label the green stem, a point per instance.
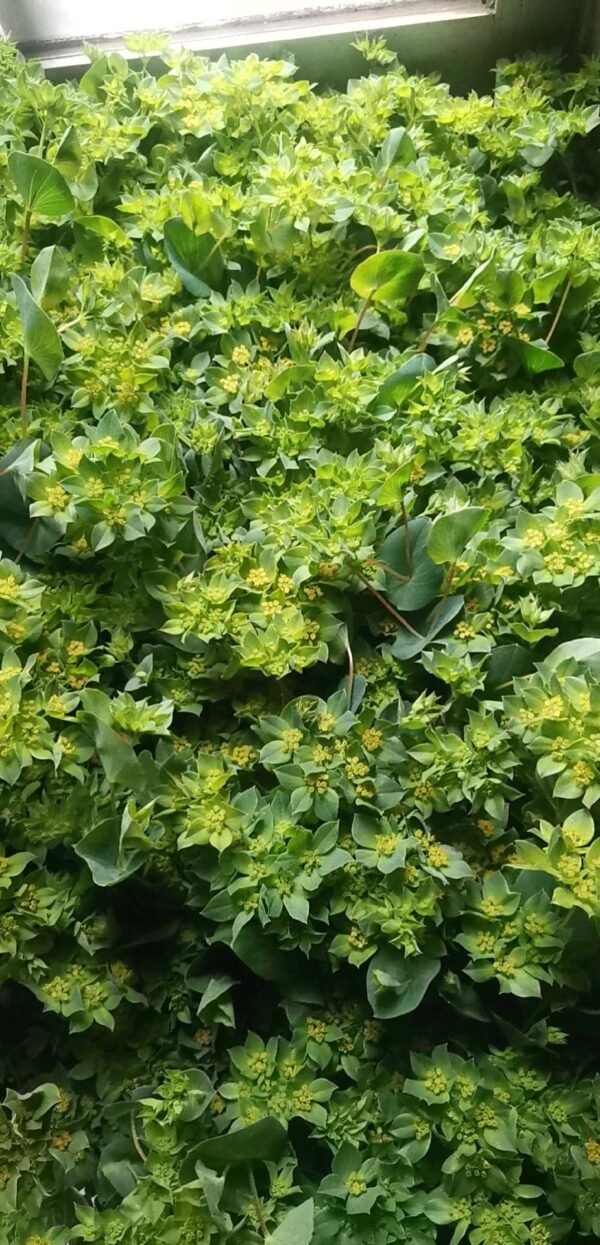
(28, 539)
(407, 548)
(257, 1202)
(361, 315)
(559, 310)
(386, 605)
(26, 232)
(350, 667)
(23, 405)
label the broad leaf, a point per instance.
(398, 147)
(42, 188)
(196, 258)
(586, 651)
(403, 382)
(539, 357)
(587, 365)
(49, 276)
(105, 228)
(40, 337)
(396, 984)
(424, 577)
(451, 533)
(407, 645)
(387, 276)
(297, 1228)
(264, 1141)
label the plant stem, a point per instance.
(135, 1138)
(361, 315)
(389, 570)
(23, 405)
(257, 1203)
(25, 238)
(407, 548)
(350, 668)
(26, 543)
(559, 310)
(386, 605)
(445, 594)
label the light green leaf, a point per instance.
(107, 229)
(49, 276)
(587, 365)
(539, 357)
(388, 276)
(42, 188)
(401, 383)
(297, 1228)
(41, 339)
(452, 532)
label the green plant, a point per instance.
(300, 655)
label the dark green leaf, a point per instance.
(264, 1141)
(396, 984)
(196, 258)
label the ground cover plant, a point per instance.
(300, 678)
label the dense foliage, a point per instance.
(300, 681)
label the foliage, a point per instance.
(300, 655)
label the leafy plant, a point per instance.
(299, 655)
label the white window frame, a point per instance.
(460, 39)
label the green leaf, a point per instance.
(586, 651)
(451, 533)
(105, 228)
(264, 1141)
(49, 276)
(297, 1228)
(407, 645)
(539, 357)
(387, 276)
(69, 156)
(398, 146)
(424, 577)
(587, 365)
(505, 663)
(396, 984)
(40, 337)
(42, 188)
(196, 258)
(464, 297)
(403, 382)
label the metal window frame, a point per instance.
(459, 39)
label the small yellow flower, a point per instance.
(257, 578)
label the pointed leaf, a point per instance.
(196, 258)
(539, 357)
(452, 532)
(41, 339)
(387, 276)
(297, 1228)
(396, 984)
(42, 188)
(263, 1141)
(49, 276)
(424, 577)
